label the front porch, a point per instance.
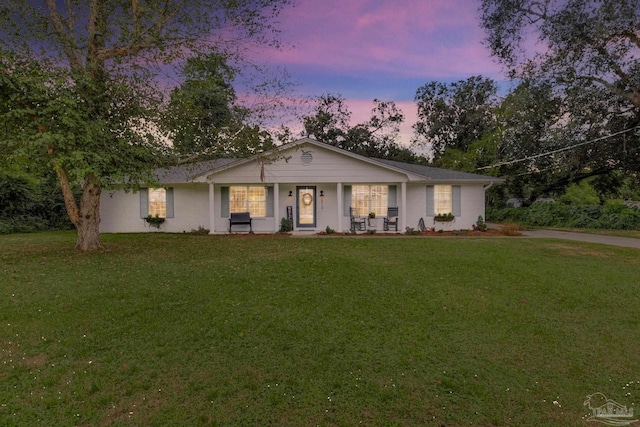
(311, 208)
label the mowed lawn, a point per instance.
(159, 329)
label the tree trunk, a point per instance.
(87, 218)
(88, 224)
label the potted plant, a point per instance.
(154, 221)
(371, 220)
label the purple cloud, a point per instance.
(414, 38)
(385, 49)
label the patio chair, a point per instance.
(357, 222)
(392, 219)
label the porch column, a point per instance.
(403, 214)
(276, 207)
(212, 209)
(340, 207)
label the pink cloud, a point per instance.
(413, 38)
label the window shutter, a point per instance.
(456, 196)
(269, 195)
(169, 202)
(144, 202)
(430, 201)
(346, 192)
(393, 196)
(224, 202)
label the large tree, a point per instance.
(454, 116)
(376, 137)
(205, 120)
(589, 52)
(81, 83)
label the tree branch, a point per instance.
(137, 28)
(66, 40)
(634, 96)
(632, 36)
(139, 42)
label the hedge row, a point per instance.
(613, 215)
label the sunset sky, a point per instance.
(385, 49)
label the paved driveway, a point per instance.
(584, 237)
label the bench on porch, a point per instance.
(240, 218)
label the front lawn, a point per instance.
(161, 329)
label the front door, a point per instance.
(306, 207)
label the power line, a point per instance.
(558, 150)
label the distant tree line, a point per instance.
(29, 204)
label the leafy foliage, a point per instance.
(580, 194)
(613, 215)
(80, 84)
(30, 204)
(589, 52)
(286, 225)
(454, 116)
(203, 118)
(376, 137)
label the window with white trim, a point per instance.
(158, 202)
(248, 199)
(370, 198)
(443, 199)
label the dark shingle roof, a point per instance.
(437, 174)
(186, 173)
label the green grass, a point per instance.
(634, 234)
(160, 329)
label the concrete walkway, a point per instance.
(627, 242)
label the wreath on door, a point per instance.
(307, 199)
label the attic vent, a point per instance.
(306, 158)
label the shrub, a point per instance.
(409, 231)
(286, 225)
(614, 206)
(5, 227)
(29, 204)
(201, 231)
(480, 225)
(580, 194)
(614, 215)
(510, 229)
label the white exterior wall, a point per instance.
(120, 211)
(471, 206)
(191, 208)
